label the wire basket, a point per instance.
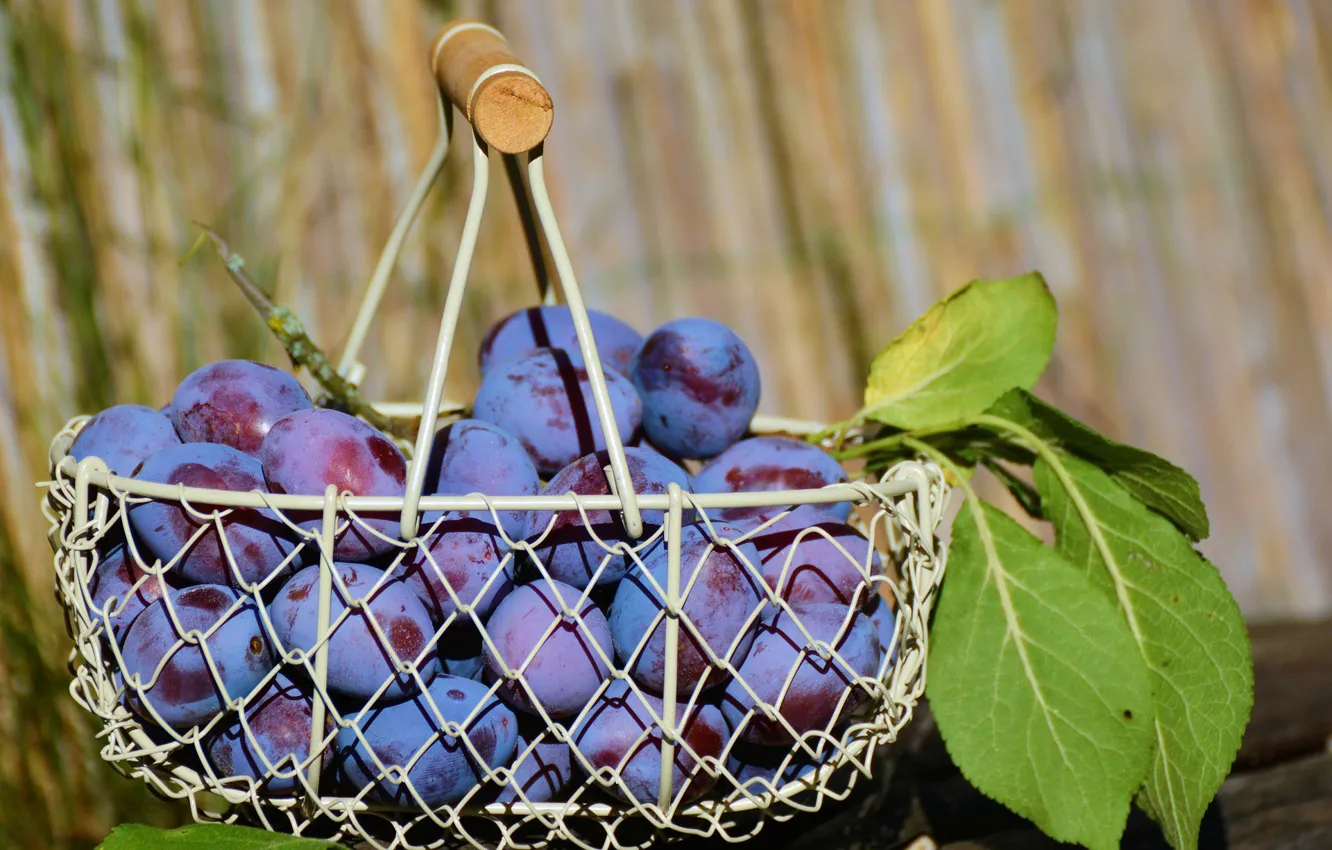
(634, 766)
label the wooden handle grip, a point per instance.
(503, 100)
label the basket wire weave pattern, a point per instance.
(88, 507)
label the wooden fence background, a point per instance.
(814, 173)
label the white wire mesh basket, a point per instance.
(596, 757)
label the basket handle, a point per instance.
(467, 60)
(503, 100)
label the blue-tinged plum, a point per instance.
(803, 561)
(235, 403)
(566, 667)
(183, 691)
(123, 436)
(880, 612)
(258, 540)
(721, 599)
(544, 399)
(274, 743)
(461, 553)
(763, 464)
(358, 663)
(759, 769)
(569, 550)
(308, 450)
(471, 456)
(700, 387)
(611, 735)
(446, 769)
(552, 327)
(817, 689)
(118, 576)
(540, 770)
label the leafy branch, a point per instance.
(1072, 680)
(290, 331)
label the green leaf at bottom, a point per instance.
(208, 836)
(1036, 684)
(1188, 628)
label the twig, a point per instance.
(342, 394)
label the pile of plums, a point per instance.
(501, 625)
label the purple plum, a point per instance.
(459, 556)
(612, 735)
(258, 540)
(541, 771)
(444, 768)
(552, 327)
(471, 456)
(235, 403)
(762, 464)
(118, 576)
(123, 436)
(803, 561)
(700, 387)
(819, 685)
(569, 550)
(306, 451)
(173, 674)
(273, 746)
(760, 769)
(721, 598)
(566, 667)
(358, 663)
(544, 399)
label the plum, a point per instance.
(118, 576)
(541, 771)
(802, 561)
(308, 450)
(358, 663)
(444, 767)
(566, 667)
(756, 769)
(818, 686)
(699, 385)
(568, 550)
(471, 456)
(880, 612)
(618, 732)
(552, 327)
(273, 746)
(258, 540)
(123, 436)
(721, 596)
(173, 674)
(458, 556)
(235, 403)
(544, 399)
(762, 464)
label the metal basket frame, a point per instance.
(85, 503)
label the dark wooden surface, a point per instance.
(1279, 794)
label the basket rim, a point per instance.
(94, 471)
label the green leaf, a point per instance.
(1036, 684)
(1185, 624)
(1156, 482)
(209, 836)
(1023, 493)
(966, 351)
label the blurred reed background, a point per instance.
(814, 173)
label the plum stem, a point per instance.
(341, 394)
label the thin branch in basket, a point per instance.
(342, 394)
